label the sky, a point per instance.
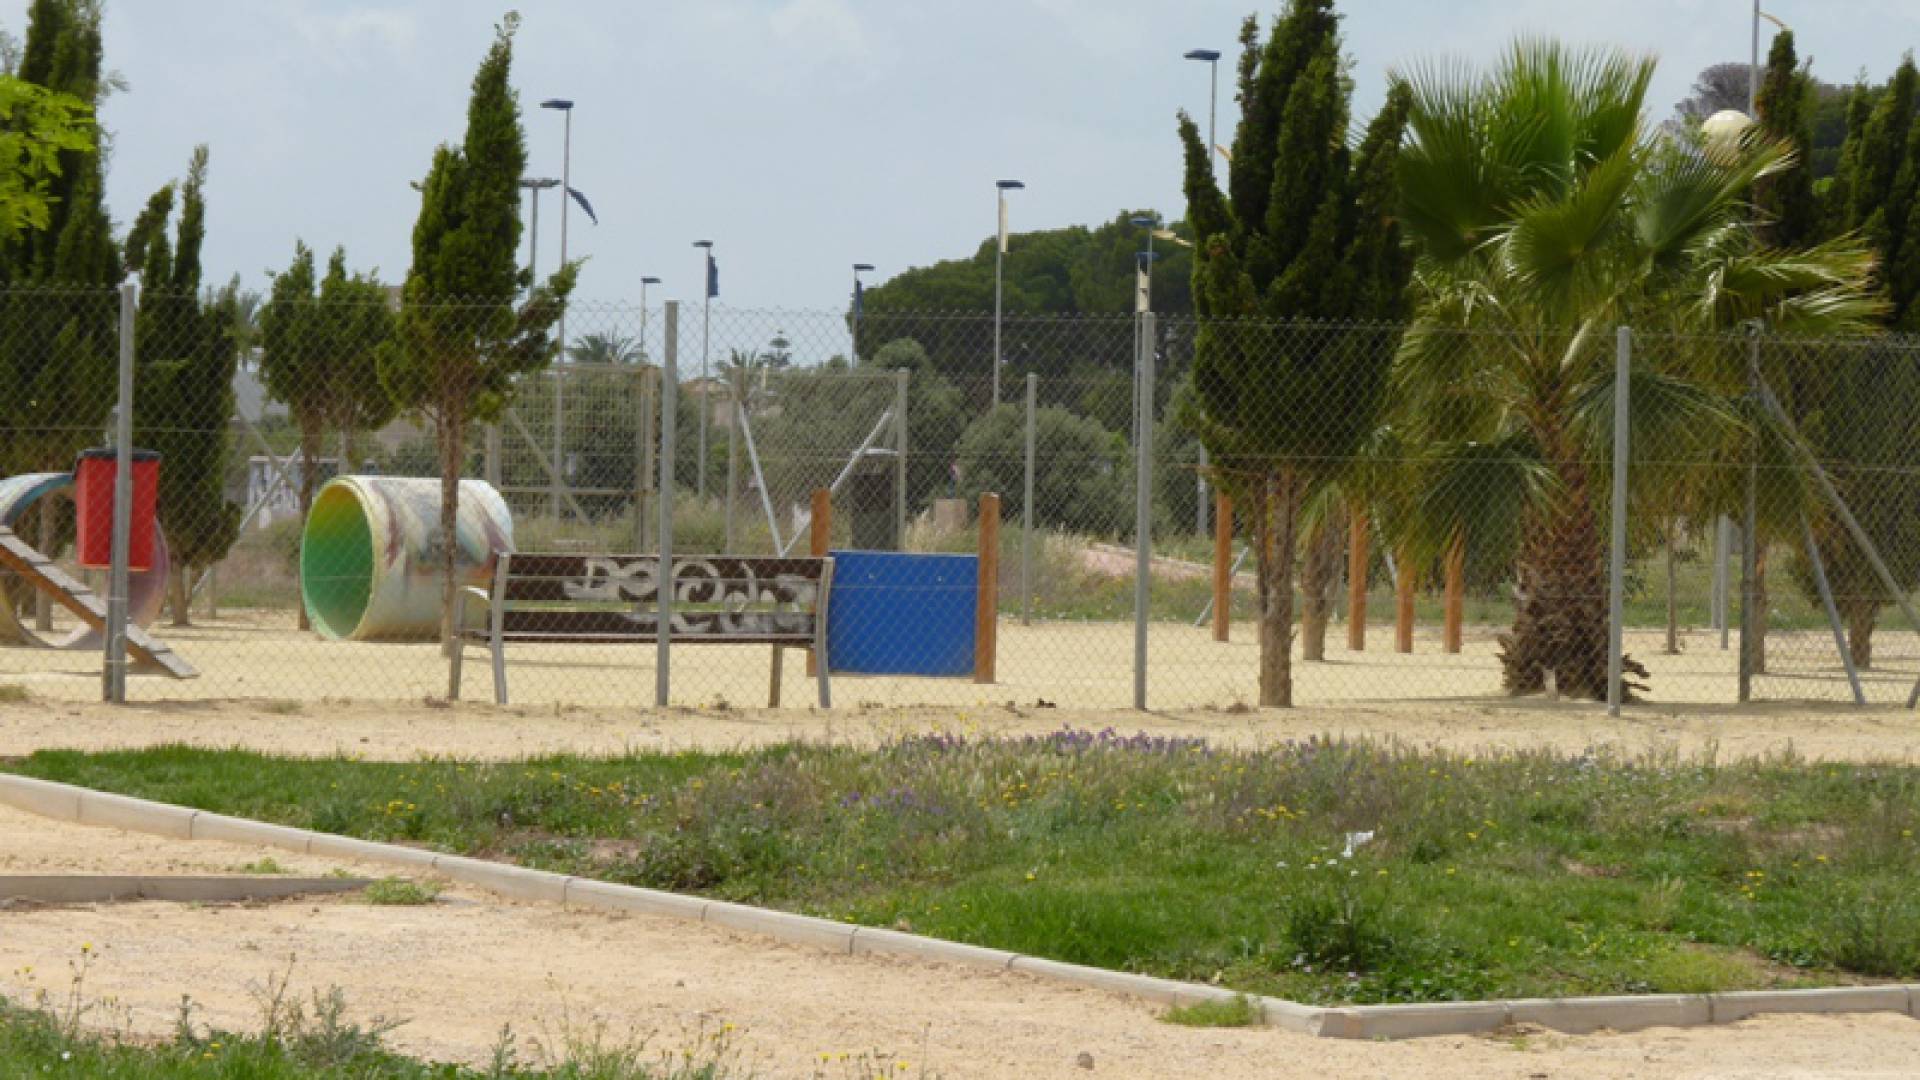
(801, 136)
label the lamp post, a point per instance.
(999, 260)
(706, 319)
(536, 185)
(1210, 57)
(565, 108)
(644, 282)
(859, 301)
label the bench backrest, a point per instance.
(715, 597)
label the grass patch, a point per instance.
(14, 694)
(1528, 874)
(1236, 1011)
(268, 865)
(400, 892)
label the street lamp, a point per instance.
(1210, 57)
(1151, 223)
(1753, 68)
(644, 282)
(535, 184)
(999, 260)
(859, 302)
(565, 108)
(706, 318)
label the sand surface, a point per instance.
(459, 969)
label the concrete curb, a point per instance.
(1572, 1015)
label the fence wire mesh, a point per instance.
(1418, 514)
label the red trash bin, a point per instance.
(93, 501)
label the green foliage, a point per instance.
(1307, 230)
(36, 125)
(400, 892)
(1786, 103)
(183, 379)
(1517, 875)
(1082, 474)
(320, 344)
(1236, 1011)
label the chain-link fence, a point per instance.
(1403, 514)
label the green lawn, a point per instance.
(1524, 875)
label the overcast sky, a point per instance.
(800, 135)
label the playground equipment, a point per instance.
(146, 589)
(371, 554)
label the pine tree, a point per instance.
(1306, 231)
(463, 335)
(183, 381)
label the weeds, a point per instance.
(400, 892)
(1321, 870)
(14, 694)
(1236, 1011)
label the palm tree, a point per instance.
(611, 348)
(1546, 210)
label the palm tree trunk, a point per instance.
(1561, 620)
(1860, 620)
(1357, 565)
(1404, 581)
(1276, 545)
(1319, 573)
(1453, 623)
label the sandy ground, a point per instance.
(403, 731)
(1080, 665)
(459, 969)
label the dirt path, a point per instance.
(460, 969)
(406, 731)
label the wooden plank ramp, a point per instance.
(72, 594)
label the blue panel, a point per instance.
(902, 614)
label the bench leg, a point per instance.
(773, 681)
(499, 651)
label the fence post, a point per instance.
(900, 378)
(1750, 538)
(1143, 511)
(1617, 562)
(1222, 566)
(663, 604)
(1200, 493)
(1403, 583)
(493, 456)
(737, 402)
(1722, 551)
(1026, 512)
(1358, 537)
(986, 611)
(559, 438)
(114, 670)
(819, 542)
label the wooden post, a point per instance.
(1456, 593)
(1357, 554)
(819, 542)
(1222, 566)
(1403, 606)
(986, 614)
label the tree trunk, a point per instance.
(1453, 634)
(1357, 565)
(1760, 611)
(1673, 601)
(1404, 582)
(179, 592)
(452, 432)
(1319, 574)
(1860, 620)
(1560, 623)
(309, 457)
(1276, 514)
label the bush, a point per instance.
(1082, 480)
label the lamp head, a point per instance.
(861, 268)
(538, 183)
(649, 281)
(703, 244)
(1146, 221)
(1204, 55)
(1009, 185)
(561, 104)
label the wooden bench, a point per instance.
(555, 598)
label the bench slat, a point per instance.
(541, 577)
(746, 625)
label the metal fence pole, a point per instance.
(1026, 511)
(663, 605)
(737, 407)
(493, 456)
(649, 483)
(1750, 539)
(900, 378)
(1200, 494)
(641, 457)
(1143, 509)
(114, 670)
(1617, 563)
(1722, 551)
(559, 440)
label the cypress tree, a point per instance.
(1786, 200)
(463, 335)
(183, 394)
(1305, 231)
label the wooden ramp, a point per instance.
(42, 574)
